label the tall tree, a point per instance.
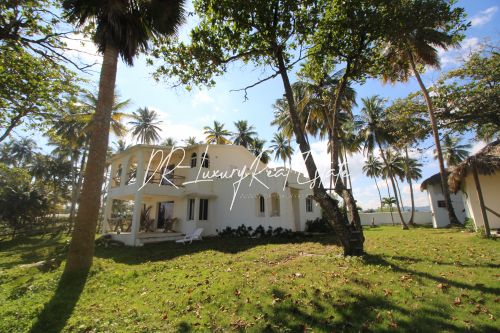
(428, 25)
(190, 141)
(145, 126)
(244, 133)
(376, 134)
(257, 148)
(169, 142)
(282, 148)
(412, 171)
(121, 28)
(217, 134)
(373, 169)
(453, 151)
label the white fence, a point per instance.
(385, 218)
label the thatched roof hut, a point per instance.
(486, 162)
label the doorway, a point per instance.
(165, 213)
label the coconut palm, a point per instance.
(453, 151)
(389, 201)
(120, 146)
(282, 148)
(412, 171)
(169, 142)
(416, 46)
(145, 125)
(22, 151)
(257, 148)
(392, 169)
(217, 134)
(120, 28)
(373, 169)
(190, 141)
(244, 133)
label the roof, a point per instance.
(434, 179)
(486, 161)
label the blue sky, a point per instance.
(185, 113)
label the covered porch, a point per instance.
(137, 219)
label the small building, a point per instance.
(440, 218)
(159, 193)
(478, 177)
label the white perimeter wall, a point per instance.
(385, 218)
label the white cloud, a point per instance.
(477, 146)
(483, 17)
(202, 97)
(456, 56)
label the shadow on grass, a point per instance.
(31, 249)
(57, 311)
(381, 261)
(170, 250)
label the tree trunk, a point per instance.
(389, 197)
(81, 250)
(79, 183)
(351, 244)
(444, 178)
(412, 196)
(391, 177)
(378, 190)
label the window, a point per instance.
(205, 160)
(203, 210)
(193, 160)
(275, 204)
(309, 204)
(191, 209)
(441, 204)
(261, 205)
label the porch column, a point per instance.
(107, 213)
(136, 217)
(140, 169)
(124, 174)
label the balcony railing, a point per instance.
(158, 178)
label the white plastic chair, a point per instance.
(196, 235)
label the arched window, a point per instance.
(275, 204)
(205, 160)
(261, 205)
(309, 204)
(193, 160)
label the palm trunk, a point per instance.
(389, 196)
(412, 197)
(378, 190)
(347, 169)
(78, 186)
(444, 178)
(81, 250)
(350, 244)
(399, 193)
(403, 224)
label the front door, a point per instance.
(165, 213)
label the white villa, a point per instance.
(437, 203)
(173, 191)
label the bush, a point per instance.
(243, 231)
(318, 225)
(469, 225)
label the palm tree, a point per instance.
(412, 171)
(22, 151)
(373, 169)
(169, 142)
(393, 169)
(120, 146)
(191, 141)
(121, 28)
(282, 148)
(257, 148)
(453, 151)
(145, 125)
(244, 133)
(389, 201)
(217, 135)
(414, 47)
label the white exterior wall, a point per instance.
(385, 218)
(440, 217)
(490, 186)
(219, 192)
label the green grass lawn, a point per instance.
(421, 280)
